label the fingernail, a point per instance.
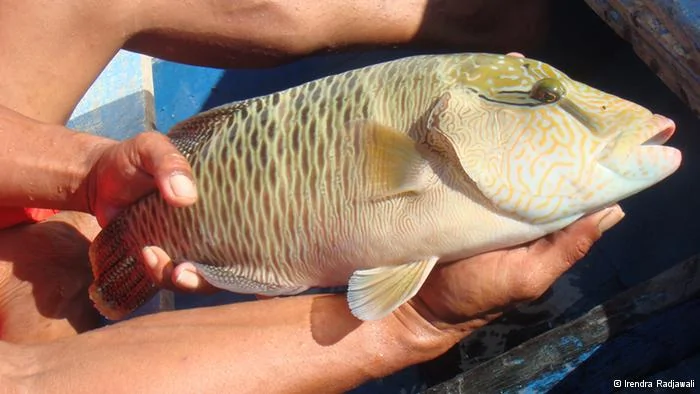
(149, 257)
(183, 186)
(186, 280)
(613, 217)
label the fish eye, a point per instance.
(548, 90)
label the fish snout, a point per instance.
(639, 152)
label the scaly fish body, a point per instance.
(375, 175)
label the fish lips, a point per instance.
(639, 154)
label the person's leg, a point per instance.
(44, 276)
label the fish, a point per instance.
(369, 178)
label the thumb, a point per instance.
(563, 248)
(169, 168)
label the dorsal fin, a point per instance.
(188, 135)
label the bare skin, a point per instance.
(42, 292)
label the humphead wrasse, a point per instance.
(372, 177)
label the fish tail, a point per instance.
(121, 282)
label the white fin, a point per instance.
(225, 279)
(376, 292)
(391, 161)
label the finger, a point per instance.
(166, 275)
(515, 54)
(548, 258)
(171, 171)
(186, 278)
(159, 266)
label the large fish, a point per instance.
(372, 177)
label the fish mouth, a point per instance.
(640, 153)
(661, 133)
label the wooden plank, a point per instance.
(612, 341)
(665, 34)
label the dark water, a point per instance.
(662, 226)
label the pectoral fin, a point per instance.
(389, 160)
(374, 293)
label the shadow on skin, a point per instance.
(44, 277)
(328, 329)
(491, 26)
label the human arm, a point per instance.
(59, 48)
(50, 166)
(302, 343)
(229, 34)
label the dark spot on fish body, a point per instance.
(321, 144)
(295, 138)
(339, 105)
(258, 181)
(211, 170)
(230, 121)
(305, 164)
(271, 131)
(248, 162)
(233, 190)
(237, 146)
(275, 99)
(218, 175)
(312, 127)
(253, 139)
(334, 89)
(358, 96)
(316, 93)
(262, 153)
(299, 101)
(304, 115)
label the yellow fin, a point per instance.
(390, 161)
(376, 292)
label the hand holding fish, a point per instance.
(460, 297)
(125, 172)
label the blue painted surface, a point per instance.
(119, 104)
(120, 119)
(125, 75)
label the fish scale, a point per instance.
(372, 177)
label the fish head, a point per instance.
(542, 147)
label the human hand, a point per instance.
(124, 172)
(460, 297)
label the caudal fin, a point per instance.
(121, 283)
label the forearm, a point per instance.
(44, 165)
(298, 344)
(253, 33)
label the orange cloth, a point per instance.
(10, 216)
